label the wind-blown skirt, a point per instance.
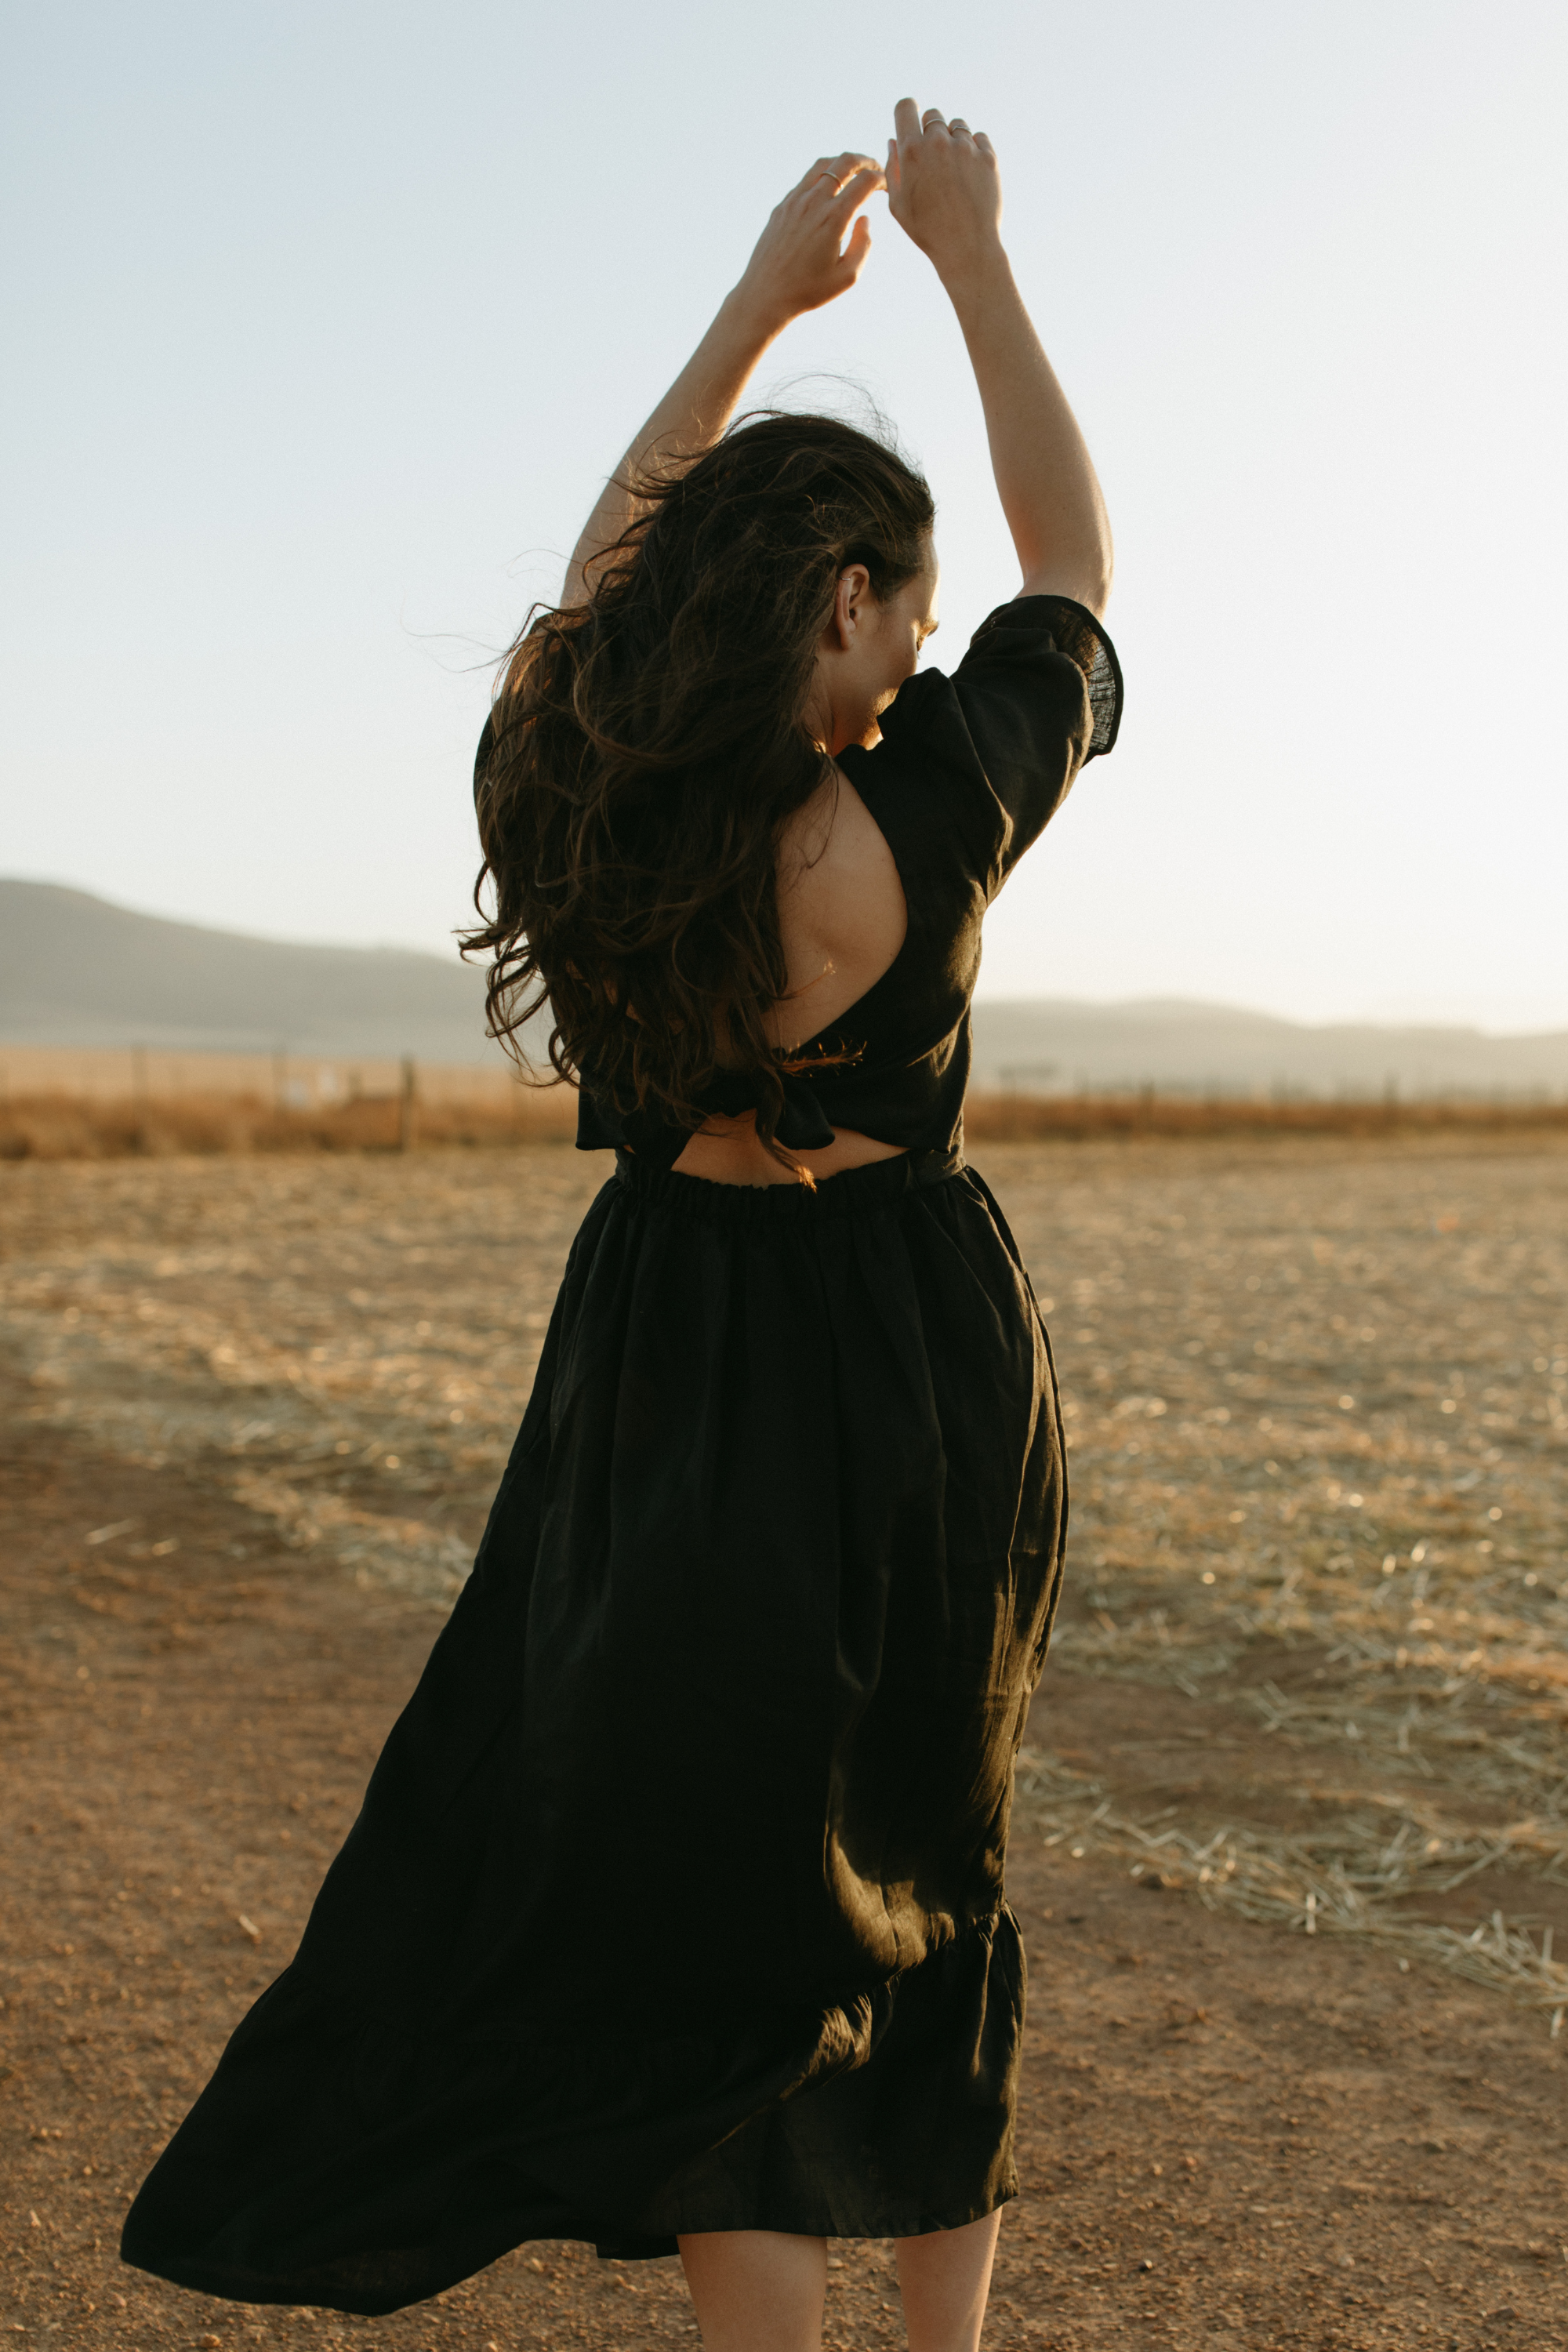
(675, 1901)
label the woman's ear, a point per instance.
(849, 605)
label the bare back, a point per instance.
(842, 915)
(842, 920)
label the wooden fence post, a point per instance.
(406, 1106)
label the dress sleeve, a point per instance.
(1073, 631)
(1036, 695)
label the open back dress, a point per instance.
(676, 1900)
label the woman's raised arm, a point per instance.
(797, 266)
(944, 191)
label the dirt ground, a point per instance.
(252, 1415)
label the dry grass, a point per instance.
(1317, 1397)
(1317, 1404)
(65, 1126)
(77, 1118)
(1368, 1875)
(1036, 1118)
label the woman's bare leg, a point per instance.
(757, 2290)
(944, 2278)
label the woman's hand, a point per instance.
(943, 188)
(797, 264)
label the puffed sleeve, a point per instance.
(1036, 695)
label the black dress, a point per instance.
(676, 1902)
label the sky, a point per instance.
(326, 321)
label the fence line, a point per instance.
(287, 1081)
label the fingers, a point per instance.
(850, 165)
(852, 260)
(861, 183)
(912, 125)
(822, 169)
(828, 174)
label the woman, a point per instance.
(674, 1915)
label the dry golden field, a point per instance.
(77, 1104)
(1310, 1689)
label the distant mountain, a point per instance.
(1059, 1045)
(76, 971)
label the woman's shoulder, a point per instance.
(1048, 658)
(981, 759)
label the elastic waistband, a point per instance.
(851, 1194)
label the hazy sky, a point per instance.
(325, 320)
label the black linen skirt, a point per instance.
(676, 1900)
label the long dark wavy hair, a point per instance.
(649, 745)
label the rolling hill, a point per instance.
(76, 970)
(1063, 1046)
